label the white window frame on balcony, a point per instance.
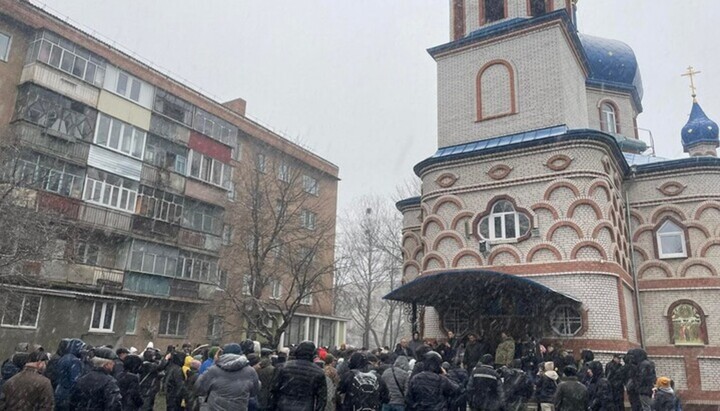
(5, 45)
(308, 219)
(23, 304)
(310, 185)
(125, 132)
(47, 45)
(197, 267)
(35, 173)
(103, 316)
(132, 84)
(84, 251)
(209, 170)
(94, 186)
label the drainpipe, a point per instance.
(633, 270)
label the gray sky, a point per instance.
(352, 80)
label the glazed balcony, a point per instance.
(43, 141)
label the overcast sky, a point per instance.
(352, 79)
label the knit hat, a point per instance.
(232, 348)
(663, 382)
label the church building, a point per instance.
(541, 213)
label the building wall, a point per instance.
(11, 70)
(626, 112)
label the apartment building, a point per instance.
(139, 176)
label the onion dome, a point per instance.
(699, 129)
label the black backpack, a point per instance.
(364, 391)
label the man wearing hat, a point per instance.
(97, 390)
(299, 385)
(29, 389)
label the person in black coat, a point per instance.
(517, 386)
(150, 377)
(430, 390)
(640, 379)
(616, 377)
(600, 394)
(51, 371)
(586, 357)
(97, 390)
(474, 350)
(175, 388)
(299, 385)
(484, 388)
(402, 348)
(129, 383)
(460, 376)
(359, 363)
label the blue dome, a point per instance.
(699, 129)
(612, 63)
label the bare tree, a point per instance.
(283, 249)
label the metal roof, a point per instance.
(65, 293)
(612, 63)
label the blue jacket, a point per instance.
(69, 369)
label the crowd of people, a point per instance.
(417, 375)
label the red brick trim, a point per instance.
(459, 216)
(418, 251)
(584, 201)
(699, 227)
(703, 318)
(638, 216)
(543, 246)
(432, 255)
(707, 245)
(558, 184)
(558, 162)
(478, 84)
(615, 107)
(446, 180)
(641, 230)
(488, 211)
(705, 206)
(654, 264)
(679, 283)
(587, 243)
(412, 263)
(671, 188)
(481, 16)
(623, 310)
(446, 199)
(564, 223)
(642, 252)
(465, 253)
(600, 226)
(504, 249)
(412, 235)
(659, 212)
(600, 184)
(549, 6)
(545, 206)
(448, 234)
(579, 344)
(431, 219)
(561, 267)
(693, 262)
(458, 19)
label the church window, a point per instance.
(687, 322)
(495, 90)
(565, 321)
(493, 10)
(539, 7)
(504, 223)
(671, 240)
(609, 118)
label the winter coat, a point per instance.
(69, 368)
(546, 387)
(149, 383)
(460, 377)
(665, 400)
(27, 390)
(129, 385)
(473, 352)
(298, 386)
(428, 391)
(600, 394)
(615, 374)
(517, 385)
(401, 370)
(228, 384)
(265, 372)
(641, 373)
(206, 365)
(406, 351)
(175, 389)
(571, 395)
(505, 352)
(484, 389)
(413, 345)
(96, 390)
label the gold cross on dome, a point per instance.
(691, 73)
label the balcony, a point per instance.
(184, 289)
(65, 84)
(108, 277)
(163, 179)
(169, 129)
(34, 137)
(53, 203)
(190, 238)
(154, 228)
(205, 192)
(105, 217)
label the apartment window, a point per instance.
(671, 240)
(173, 324)
(86, 253)
(131, 319)
(261, 163)
(128, 86)
(21, 310)
(284, 172)
(119, 136)
(327, 333)
(110, 190)
(222, 279)
(308, 219)
(214, 127)
(539, 7)
(247, 287)
(198, 267)
(45, 173)
(161, 205)
(5, 41)
(504, 222)
(215, 326)
(203, 217)
(493, 10)
(166, 155)
(608, 118)
(275, 289)
(151, 258)
(227, 235)
(310, 185)
(51, 49)
(307, 298)
(173, 107)
(210, 170)
(103, 317)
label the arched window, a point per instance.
(565, 321)
(495, 90)
(504, 222)
(687, 323)
(492, 10)
(609, 118)
(670, 238)
(539, 7)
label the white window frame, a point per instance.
(187, 264)
(22, 310)
(103, 314)
(83, 249)
(310, 185)
(284, 172)
(308, 219)
(567, 320)
(500, 215)
(90, 187)
(680, 233)
(138, 137)
(40, 174)
(307, 299)
(216, 166)
(275, 289)
(133, 312)
(609, 116)
(131, 80)
(6, 57)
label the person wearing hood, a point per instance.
(516, 386)
(665, 398)
(414, 344)
(129, 383)
(484, 387)
(505, 351)
(229, 384)
(97, 390)
(546, 387)
(396, 378)
(430, 390)
(51, 371)
(615, 374)
(265, 372)
(69, 368)
(175, 389)
(586, 357)
(299, 385)
(600, 394)
(641, 379)
(150, 377)
(29, 390)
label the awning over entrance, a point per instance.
(465, 286)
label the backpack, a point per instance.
(364, 391)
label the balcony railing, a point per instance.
(105, 217)
(34, 137)
(108, 277)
